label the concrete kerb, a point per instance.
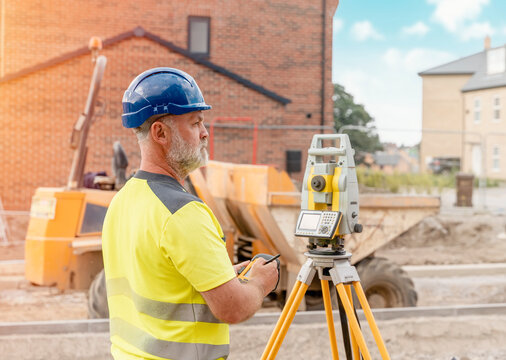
(455, 270)
(487, 200)
(12, 267)
(54, 327)
(308, 317)
(304, 317)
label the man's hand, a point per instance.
(265, 275)
(238, 267)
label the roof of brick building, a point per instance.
(475, 65)
(140, 32)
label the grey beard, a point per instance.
(183, 158)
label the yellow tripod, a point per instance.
(335, 267)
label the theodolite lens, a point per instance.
(318, 183)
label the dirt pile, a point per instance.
(450, 239)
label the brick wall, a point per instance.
(275, 44)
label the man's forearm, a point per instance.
(234, 302)
(254, 296)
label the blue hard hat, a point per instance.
(160, 91)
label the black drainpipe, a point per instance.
(324, 23)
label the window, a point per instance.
(477, 110)
(199, 35)
(496, 166)
(496, 108)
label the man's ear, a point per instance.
(160, 133)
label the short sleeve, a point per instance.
(192, 239)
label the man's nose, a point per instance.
(203, 131)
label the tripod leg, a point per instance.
(344, 328)
(285, 320)
(370, 319)
(281, 320)
(355, 328)
(353, 340)
(330, 318)
(289, 318)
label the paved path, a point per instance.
(487, 199)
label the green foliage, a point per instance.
(488, 182)
(424, 183)
(347, 112)
(397, 182)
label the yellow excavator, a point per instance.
(256, 205)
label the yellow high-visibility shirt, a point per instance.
(162, 247)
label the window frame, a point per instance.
(496, 157)
(477, 110)
(191, 18)
(496, 108)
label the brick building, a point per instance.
(266, 60)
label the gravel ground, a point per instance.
(415, 339)
(434, 338)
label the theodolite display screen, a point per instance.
(309, 221)
(320, 224)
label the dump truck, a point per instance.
(257, 206)
(260, 205)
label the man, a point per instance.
(172, 290)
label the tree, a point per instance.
(347, 112)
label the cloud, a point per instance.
(452, 14)
(476, 31)
(364, 30)
(392, 57)
(355, 81)
(418, 28)
(457, 16)
(337, 25)
(415, 60)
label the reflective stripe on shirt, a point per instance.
(165, 349)
(161, 310)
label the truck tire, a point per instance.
(314, 299)
(385, 284)
(97, 298)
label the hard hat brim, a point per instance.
(136, 119)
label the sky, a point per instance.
(379, 47)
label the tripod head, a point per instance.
(329, 207)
